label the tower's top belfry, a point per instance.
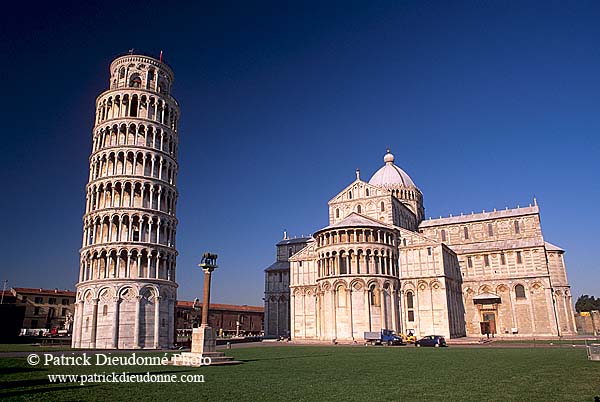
(139, 71)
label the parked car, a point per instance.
(431, 340)
(385, 337)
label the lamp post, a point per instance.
(208, 264)
(203, 338)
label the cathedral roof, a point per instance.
(278, 266)
(481, 216)
(356, 220)
(391, 175)
(552, 247)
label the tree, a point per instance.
(587, 303)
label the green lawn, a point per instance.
(338, 373)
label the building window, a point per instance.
(105, 310)
(519, 258)
(382, 206)
(63, 312)
(122, 72)
(443, 233)
(280, 277)
(358, 209)
(367, 192)
(289, 252)
(466, 232)
(410, 303)
(51, 313)
(520, 292)
(470, 262)
(429, 252)
(65, 302)
(38, 300)
(486, 260)
(23, 299)
(374, 296)
(135, 81)
(517, 227)
(36, 311)
(490, 230)
(52, 300)
(502, 259)
(337, 212)
(350, 195)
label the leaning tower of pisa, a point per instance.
(126, 290)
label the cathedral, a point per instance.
(379, 264)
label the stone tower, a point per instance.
(126, 291)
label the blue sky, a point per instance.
(484, 104)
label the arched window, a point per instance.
(382, 206)
(135, 81)
(410, 305)
(358, 209)
(466, 231)
(443, 233)
(373, 296)
(367, 192)
(122, 73)
(337, 212)
(349, 195)
(520, 292)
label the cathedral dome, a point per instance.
(391, 175)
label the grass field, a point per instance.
(311, 373)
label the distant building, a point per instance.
(277, 288)
(44, 308)
(227, 319)
(380, 265)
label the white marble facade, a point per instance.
(380, 265)
(126, 290)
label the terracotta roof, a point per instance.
(48, 292)
(229, 307)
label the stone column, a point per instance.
(136, 323)
(293, 315)
(383, 309)
(115, 323)
(157, 322)
(94, 323)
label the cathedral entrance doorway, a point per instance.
(488, 320)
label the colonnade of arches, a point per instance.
(137, 104)
(357, 262)
(127, 263)
(367, 235)
(136, 134)
(128, 228)
(133, 163)
(131, 194)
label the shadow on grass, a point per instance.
(16, 370)
(44, 390)
(282, 358)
